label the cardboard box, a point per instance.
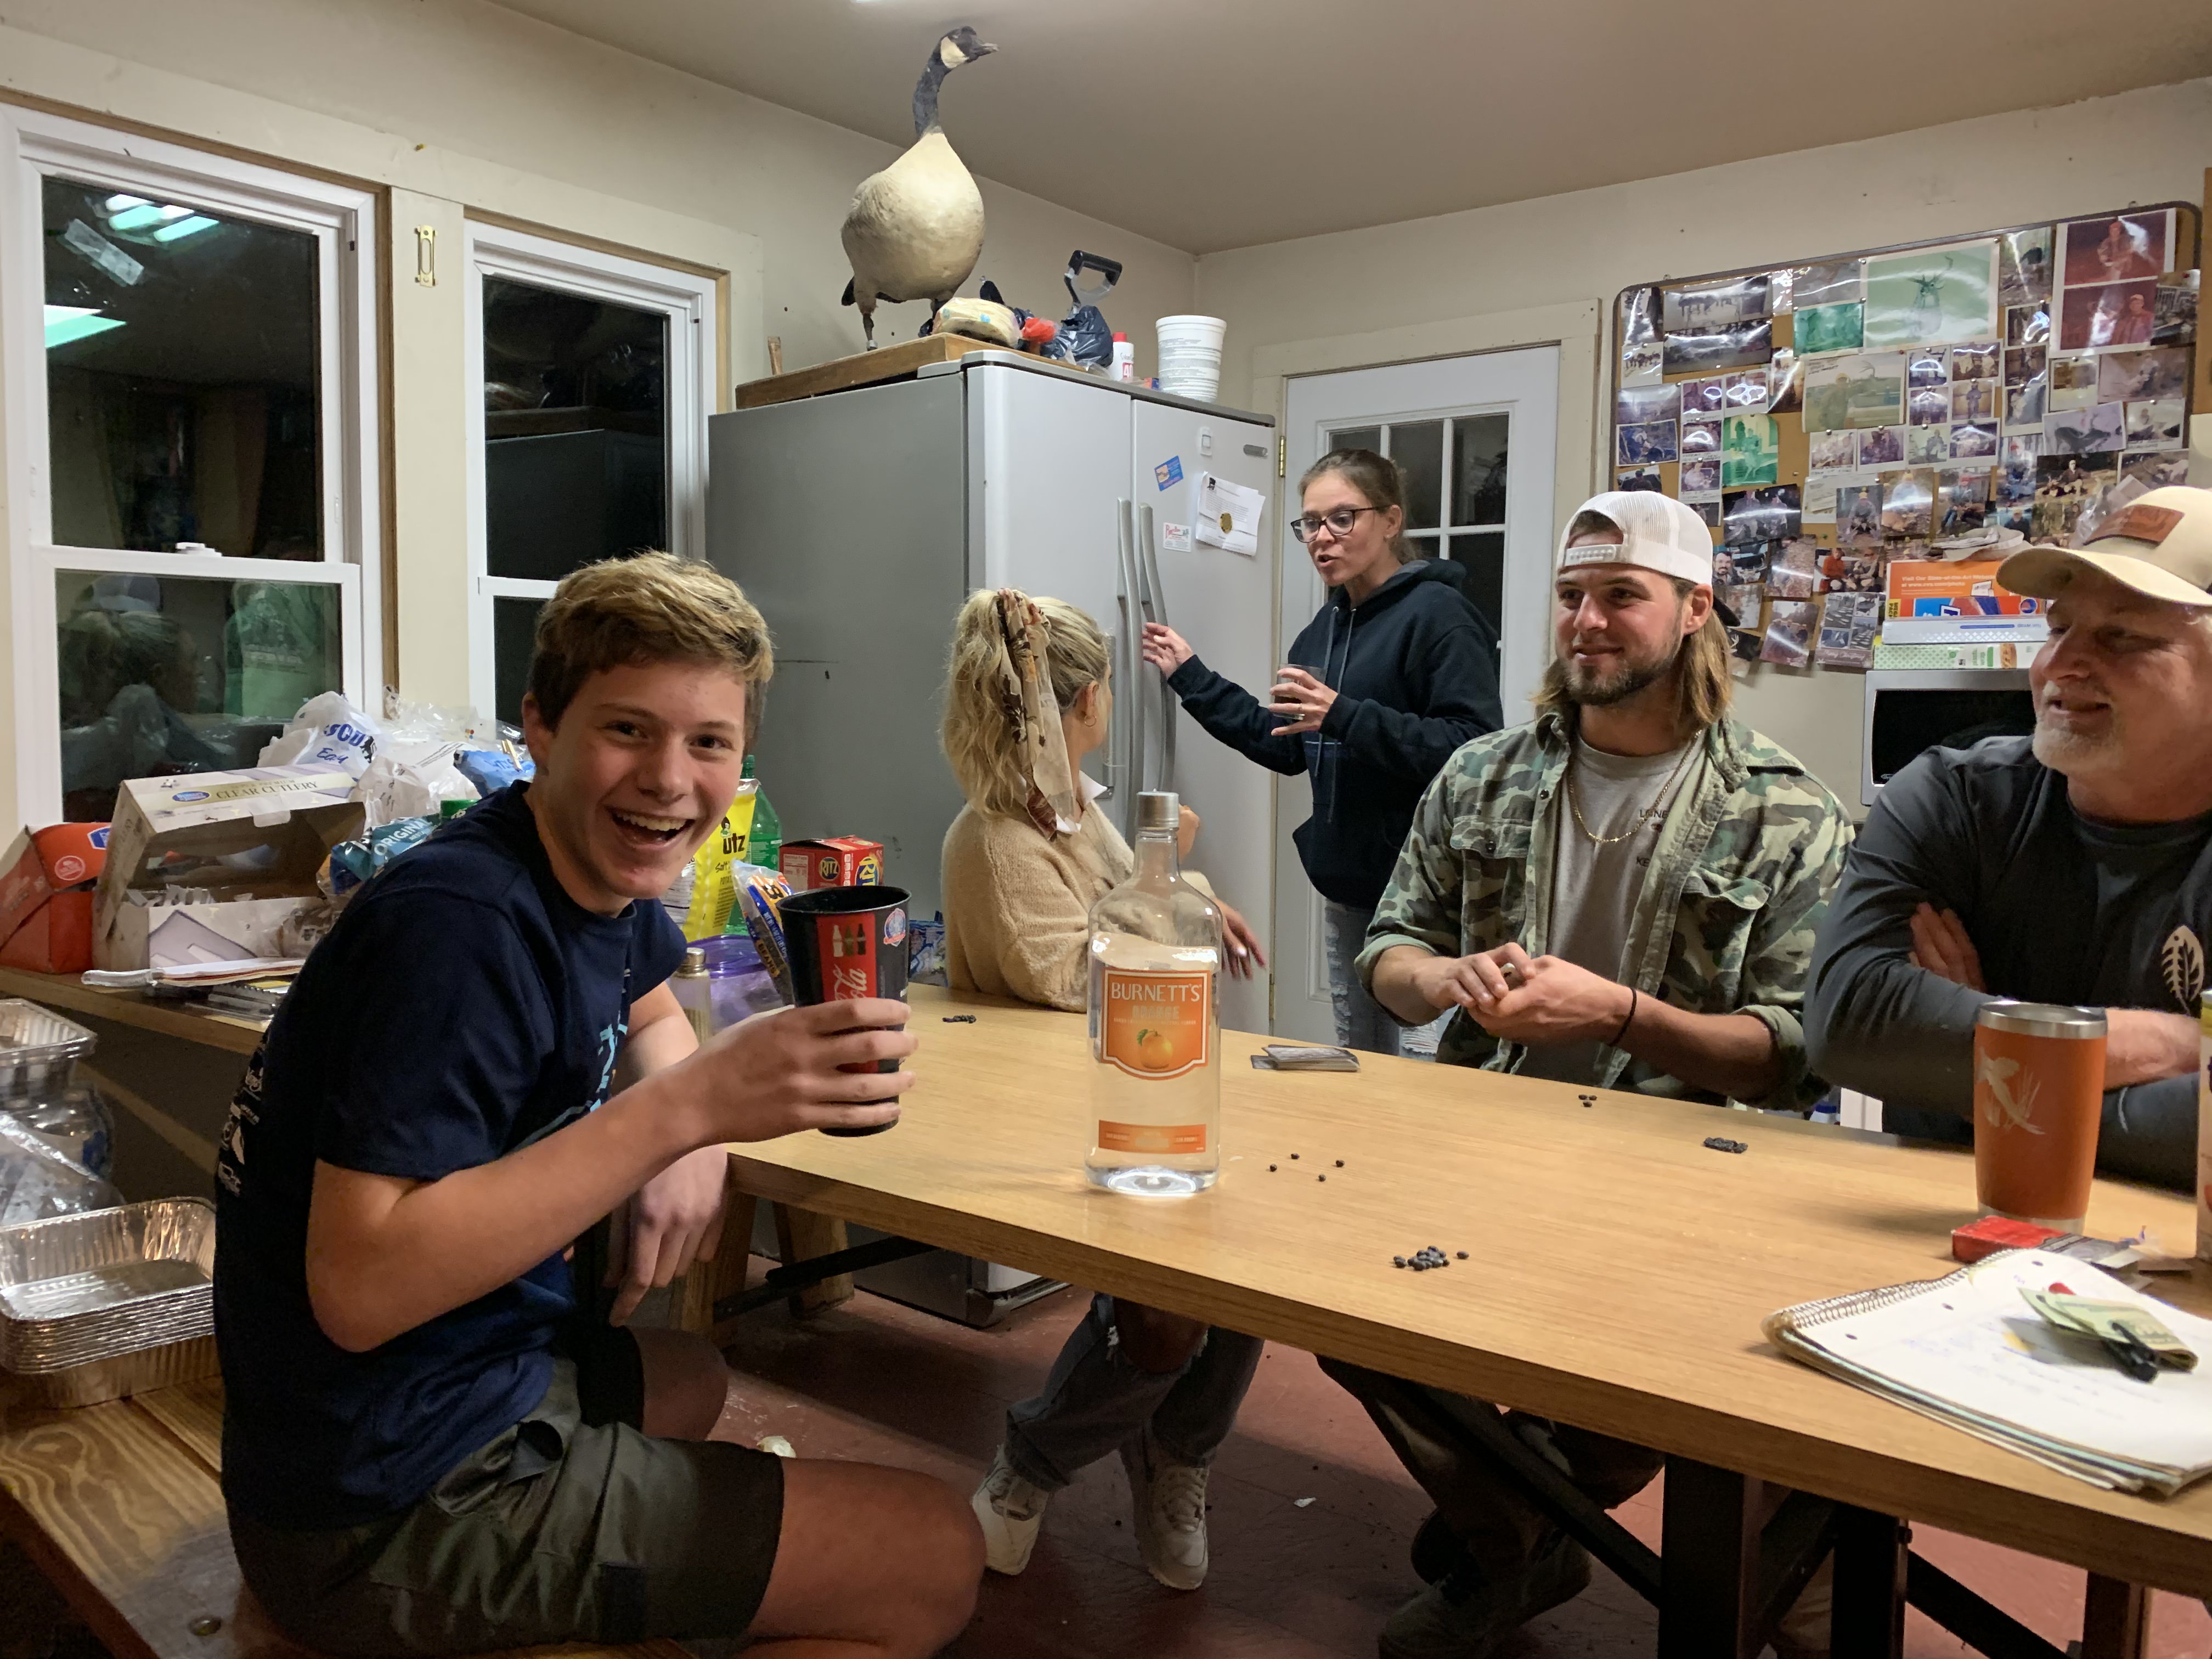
(253, 839)
(45, 897)
(1948, 587)
(835, 861)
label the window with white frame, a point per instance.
(191, 351)
(597, 374)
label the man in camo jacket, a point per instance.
(1624, 893)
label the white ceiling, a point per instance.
(1215, 123)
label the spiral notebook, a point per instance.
(1967, 1350)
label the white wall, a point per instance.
(455, 107)
(2152, 145)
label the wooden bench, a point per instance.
(120, 1506)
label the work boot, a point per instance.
(1168, 1500)
(1438, 1551)
(1469, 1615)
(1011, 1511)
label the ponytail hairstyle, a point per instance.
(1377, 478)
(1000, 722)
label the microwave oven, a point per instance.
(1910, 711)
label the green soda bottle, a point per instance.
(764, 846)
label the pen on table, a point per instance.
(2132, 1355)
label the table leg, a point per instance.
(709, 1281)
(2115, 1620)
(1869, 1622)
(801, 1235)
(1709, 1555)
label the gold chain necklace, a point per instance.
(1567, 788)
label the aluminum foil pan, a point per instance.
(80, 1290)
(138, 1372)
(38, 1049)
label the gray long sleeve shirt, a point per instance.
(2060, 907)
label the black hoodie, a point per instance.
(1415, 669)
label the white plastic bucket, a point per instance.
(1190, 356)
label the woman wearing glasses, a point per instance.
(1395, 672)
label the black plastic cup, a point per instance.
(845, 944)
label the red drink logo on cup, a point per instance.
(848, 949)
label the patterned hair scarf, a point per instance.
(1033, 713)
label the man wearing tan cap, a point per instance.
(2074, 867)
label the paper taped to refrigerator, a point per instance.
(1228, 515)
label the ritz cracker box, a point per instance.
(833, 862)
(247, 844)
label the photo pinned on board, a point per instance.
(1829, 328)
(2116, 314)
(1746, 643)
(1639, 310)
(1818, 490)
(1751, 449)
(1707, 396)
(2156, 424)
(1926, 366)
(1932, 295)
(1962, 500)
(1927, 445)
(1782, 290)
(1973, 400)
(1793, 569)
(1860, 390)
(2086, 431)
(1826, 284)
(2023, 363)
(1977, 360)
(2073, 383)
(1642, 363)
(2015, 475)
(1908, 502)
(2065, 484)
(1727, 300)
(2156, 471)
(1654, 440)
(1746, 393)
(2115, 249)
(2133, 376)
(1789, 628)
(1852, 573)
(1729, 345)
(1767, 515)
(1973, 440)
(1928, 406)
(1849, 622)
(1744, 601)
(1701, 437)
(1785, 382)
(1709, 509)
(2177, 309)
(2024, 404)
(1701, 475)
(1858, 515)
(1883, 447)
(1635, 405)
(1741, 567)
(1640, 478)
(1831, 452)
(2024, 264)
(2027, 325)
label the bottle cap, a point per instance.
(1120, 339)
(695, 959)
(1158, 809)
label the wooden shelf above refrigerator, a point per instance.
(896, 363)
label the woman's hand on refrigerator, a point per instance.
(1242, 945)
(1300, 696)
(1164, 648)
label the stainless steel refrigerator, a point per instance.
(858, 520)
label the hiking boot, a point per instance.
(1168, 1500)
(1011, 1511)
(1467, 1615)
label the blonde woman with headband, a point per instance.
(1027, 699)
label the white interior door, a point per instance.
(1475, 436)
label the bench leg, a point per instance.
(2116, 1620)
(801, 1235)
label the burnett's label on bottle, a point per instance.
(1158, 1026)
(1153, 1138)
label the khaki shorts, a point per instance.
(571, 1526)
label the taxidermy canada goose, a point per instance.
(915, 229)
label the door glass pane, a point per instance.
(575, 429)
(1419, 449)
(1484, 556)
(513, 638)
(168, 674)
(181, 376)
(1357, 437)
(1479, 468)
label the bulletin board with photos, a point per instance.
(1829, 417)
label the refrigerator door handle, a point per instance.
(1128, 736)
(1170, 704)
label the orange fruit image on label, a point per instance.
(1155, 1138)
(1156, 1025)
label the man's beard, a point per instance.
(2073, 753)
(1597, 688)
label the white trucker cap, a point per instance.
(1657, 533)
(2159, 544)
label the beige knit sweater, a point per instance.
(1018, 904)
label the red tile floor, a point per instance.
(878, 1380)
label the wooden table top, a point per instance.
(190, 1021)
(1618, 1269)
